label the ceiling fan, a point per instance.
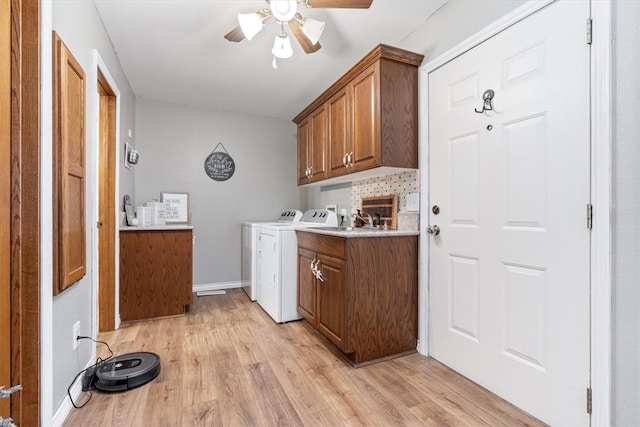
(307, 31)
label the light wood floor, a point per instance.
(226, 363)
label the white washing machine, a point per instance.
(250, 252)
(277, 265)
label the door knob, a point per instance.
(433, 230)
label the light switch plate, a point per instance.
(413, 202)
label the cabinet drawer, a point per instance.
(328, 245)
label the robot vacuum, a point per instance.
(123, 372)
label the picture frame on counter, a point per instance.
(177, 206)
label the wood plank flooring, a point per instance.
(226, 363)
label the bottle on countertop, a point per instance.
(359, 222)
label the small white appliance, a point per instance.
(249, 249)
(277, 263)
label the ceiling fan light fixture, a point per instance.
(250, 23)
(283, 10)
(282, 46)
(312, 28)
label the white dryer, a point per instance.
(277, 264)
(250, 252)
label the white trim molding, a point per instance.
(216, 286)
(601, 181)
(601, 141)
(99, 66)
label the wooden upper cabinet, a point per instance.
(69, 170)
(372, 115)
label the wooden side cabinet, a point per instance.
(156, 273)
(361, 294)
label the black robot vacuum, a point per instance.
(122, 373)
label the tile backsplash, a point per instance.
(401, 184)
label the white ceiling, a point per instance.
(175, 51)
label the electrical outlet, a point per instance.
(76, 332)
(413, 202)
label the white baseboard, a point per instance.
(65, 407)
(217, 286)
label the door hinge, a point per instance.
(589, 400)
(589, 216)
(589, 30)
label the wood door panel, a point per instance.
(332, 301)
(384, 296)
(69, 181)
(5, 203)
(306, 286)
(339, 127)
(303, 151)
(365, 133)
(398, 127)
(155, 273)
(319, 139)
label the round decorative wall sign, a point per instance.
(219, 165)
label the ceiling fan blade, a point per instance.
(305, 43)
(341, 4)
(235, 35)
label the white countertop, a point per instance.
(350, 232)
(167, 227)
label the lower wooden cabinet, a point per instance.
(156, 273)
(360, 293)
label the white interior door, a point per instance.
(509, 271)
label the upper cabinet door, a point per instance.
(69, 179)
(365, 131)
(339, 129)
(319, 140)
(303, 152)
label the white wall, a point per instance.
(626, 215)
(80, 27)
(174, 141)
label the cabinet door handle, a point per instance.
(351, 158)
(344, 160)
(311, 172)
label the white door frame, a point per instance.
(601, 130)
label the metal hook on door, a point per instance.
(487, 105)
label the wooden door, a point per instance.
(5, 203)
(106, 207)
(365, 130)
(332, 300)
(306, 285)
(20, 209)
(509, 272)
(339, 134)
